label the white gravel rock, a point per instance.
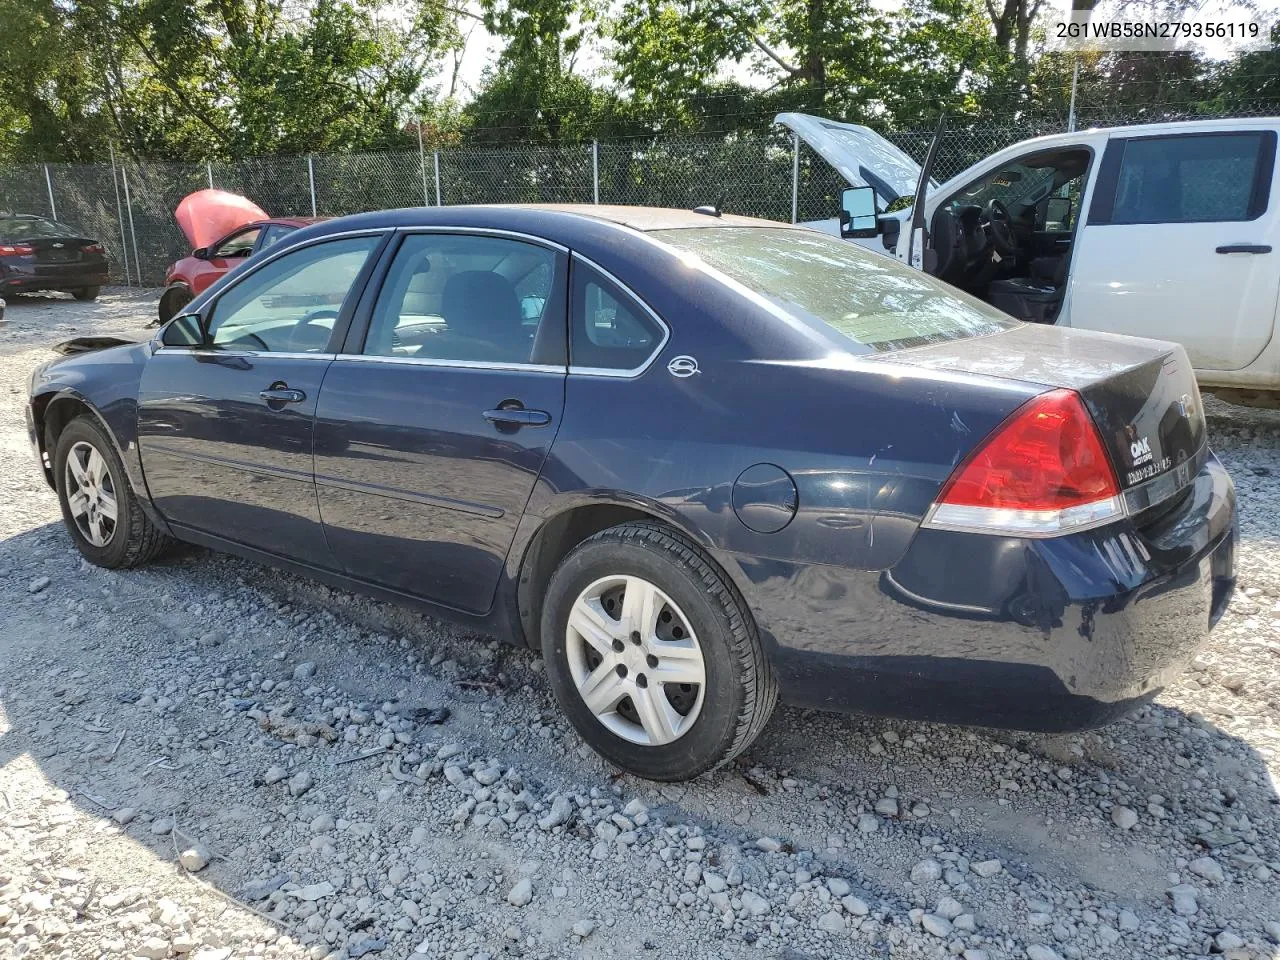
(986, 868)
(521, 894)
(1207, 868)
(832, 922)
(926, 871)
(754, 904)
(936, 925)
(195, 857)
(1124, 818)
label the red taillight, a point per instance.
(1043, 472)
(93, 248)
(16, 250)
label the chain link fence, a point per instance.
(128, 206)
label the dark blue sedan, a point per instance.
(702, 462)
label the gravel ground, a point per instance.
(209, 757)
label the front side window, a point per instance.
(291, 304)
(1194, 178)
(274, 233)
(238, 245)
(470, 299)
(871, 301)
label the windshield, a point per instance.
(873, 301)
(28, 228)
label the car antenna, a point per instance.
(709, 209)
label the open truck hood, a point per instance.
(862, 156)
(207, 216)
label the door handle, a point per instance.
(282, 395)
(1244, 248)
(518, 417)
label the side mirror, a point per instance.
(185, 330)
(1058, 211)
(858, 212)
(200, 253)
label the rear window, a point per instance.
(28, 228)
(833, 284)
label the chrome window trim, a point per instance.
(206, 352)
(634, 372)
(242, 275)
(460, 364)
(484, 232)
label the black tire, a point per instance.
(740, 689)
(171, 302)
(86, 293)
(134, 540)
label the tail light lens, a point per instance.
(93, 248)
(16, 250)
(1043, 472)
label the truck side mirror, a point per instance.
(858, 213)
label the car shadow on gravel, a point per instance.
(175, 689)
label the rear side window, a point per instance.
(835, 285)
(1194, 178)
(609, 330)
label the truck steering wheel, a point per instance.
(1000, 227)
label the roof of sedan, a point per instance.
(646, 218)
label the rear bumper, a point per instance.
(1048, 635)
(19, 279)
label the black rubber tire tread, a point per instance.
(143, 540)
(86, 293)
(757, 677)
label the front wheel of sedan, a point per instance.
(99, 509)
(652, 654)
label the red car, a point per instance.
(193, 274)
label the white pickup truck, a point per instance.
(1169, 230)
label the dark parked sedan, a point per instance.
(41, 254)
(701, 462)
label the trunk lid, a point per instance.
(56, 251)
(1142, 395)
(862, 156)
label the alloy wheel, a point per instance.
(91, 495)
(635, 660)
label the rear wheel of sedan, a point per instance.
(102, 515)
(86, 293)
(653, 655)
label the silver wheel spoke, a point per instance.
(76, 467)
(602, 689)
(78, 503)
(96, 534)
(107, 505)
(657, 716)
(96, 467)
(678, 671)
(590, 621)
(641, 604)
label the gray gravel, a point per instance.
(210, 758)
